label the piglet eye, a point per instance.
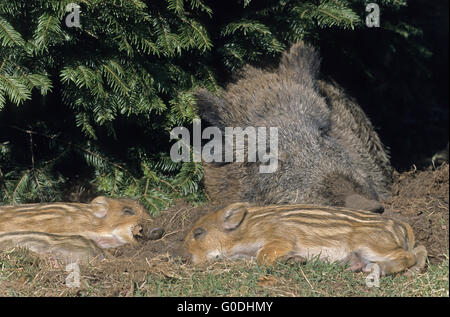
(128, 211)
(198, 232)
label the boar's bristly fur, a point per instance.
(329, 152)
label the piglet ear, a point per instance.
(233, 215)
(100, 206)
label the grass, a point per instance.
(22, 274)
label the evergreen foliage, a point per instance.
(99, 101)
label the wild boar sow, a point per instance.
(300, 232)
(329, 152)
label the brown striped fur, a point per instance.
(68, 249)
(106, 221)
(300, 232)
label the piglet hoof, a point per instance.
(355, 267)
(290, 259)
(412, 271)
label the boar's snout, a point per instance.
(359, 202)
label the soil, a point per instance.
(421, 198)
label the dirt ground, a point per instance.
(420, 198)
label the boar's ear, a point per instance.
(100, 206)
(302, 62)
(233, 215)
(209, 107)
